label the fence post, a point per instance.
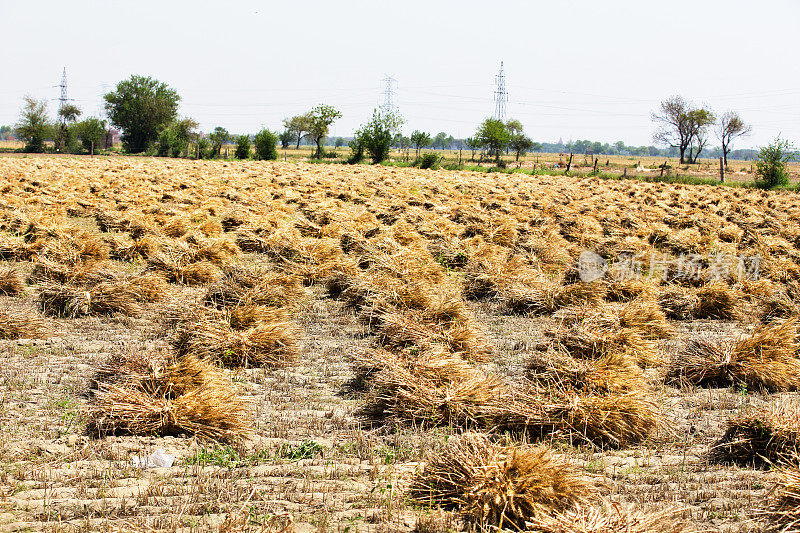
(625, 172)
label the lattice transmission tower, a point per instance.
(389, 92)
(500, 95)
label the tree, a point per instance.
(218, 138)
(299, 126)
(33, 126)
(682, 126)
(319, 121)
(141, 107)
(339, 142)
(242, 147)
(520, 144)
(493, 135)
(375, 137)
(420, 139)
(730, 127)
(473, 145)
(91, 132)
(68, 114)
(174, 139)
(6, 133)
(286, 138)
(266, 145)
(771, 162)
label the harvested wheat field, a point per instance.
(364, 348)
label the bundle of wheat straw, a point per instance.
(166, 397)
(762, 436)
(611, 518)
(500, 487)
(766, 359)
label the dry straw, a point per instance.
(612, 518)
(783, 513)
(12, 281)
(612, 372)
(500, 487)
(269, 344)
(762, 437)
(15, 325)
(103, 299)
(163, 397)
(767, 359)
(239, 286)
(428, 388)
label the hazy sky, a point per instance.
(574, 69)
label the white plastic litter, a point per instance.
(157, 459)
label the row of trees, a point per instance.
(682, 125)
(35, 128)
(146, 111)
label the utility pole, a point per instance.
(500, 95)
(388, 95)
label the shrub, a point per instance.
(376, 136)
(203, 149)
(771, 162)
(242, 147)
(166, 140)
(428, 161)
(266, 145)
(356, 152)
(91, 130)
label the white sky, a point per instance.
(575, 69)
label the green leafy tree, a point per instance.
(520, 144)
(218, 139)
(91, 132)
(419, 140)
(242, 147)
(493, 135)
(167, 140)
(6, 132)
(375, 137)
(203, 148)
(65, 139)
(473, 144)
(319, 121)
(141, 107)
(286, 138)
(174, 139)
(266, 145)
(33, 126)
(339, 142)
(771, 163)
(299, 126)
(441, 140)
